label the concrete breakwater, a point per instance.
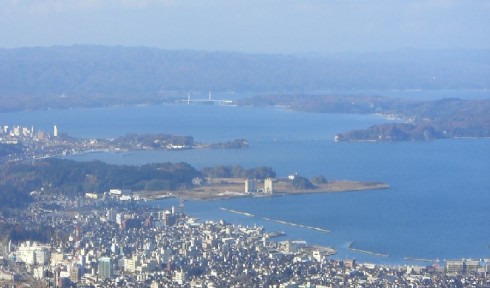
(297, 225)
(237, 212)
(350, 247)
(276, 221)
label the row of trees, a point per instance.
(222, 171)
(237, 171)
(300, 182)
(155, 141)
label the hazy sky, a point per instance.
(284, 26)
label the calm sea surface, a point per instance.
(438, 205)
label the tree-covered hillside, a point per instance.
(68, 177)
(72, 178)
(89, 76)
(444, 118)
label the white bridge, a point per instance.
(208, 101)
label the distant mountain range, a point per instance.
(89, 76)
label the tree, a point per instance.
(319, 180)
(217, 172)
(239, 172)
(261, 173)
(300, 182)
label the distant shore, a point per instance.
(227, 188)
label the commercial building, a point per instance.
(105, 269)
(32, 253)
(75, 273)
(454, 266)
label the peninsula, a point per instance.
(227, 188)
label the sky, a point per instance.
(253, 26)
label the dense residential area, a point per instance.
(112, 240)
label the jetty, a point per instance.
(237, 212)
(276, 221)
(297, 225)
(350, 247)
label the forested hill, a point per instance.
(445, 118)
(75, 178)
(76, 76)
(68, 177)
(412, 119)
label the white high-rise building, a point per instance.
(55, 131)
(268, 186)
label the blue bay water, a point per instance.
(437, 206)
